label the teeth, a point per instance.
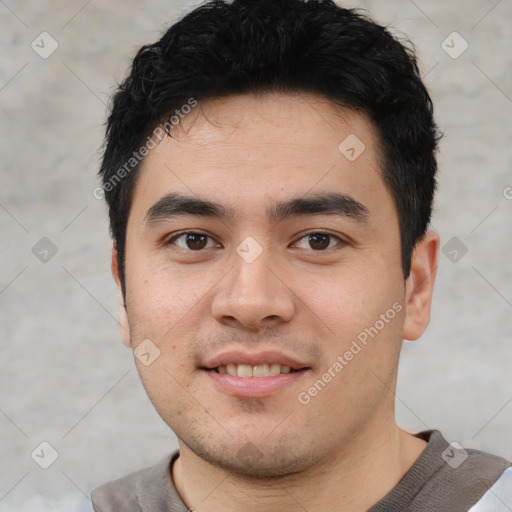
(244, 370)
(275, 369)
(260, 370)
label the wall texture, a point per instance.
(65, 377)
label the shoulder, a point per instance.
(120, 494)
(463, 476)
(126, 493)
(498, 497)
(469, 468)
(445, 477)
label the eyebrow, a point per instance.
(174, 204)
(330, 204)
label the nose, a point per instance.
(254, 295)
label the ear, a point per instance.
(124, 324)
(419, 286)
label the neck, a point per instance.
(355, 478)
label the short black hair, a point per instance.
(288, 46)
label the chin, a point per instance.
(249, 461)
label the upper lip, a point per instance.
(253, 359)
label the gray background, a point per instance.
(65, 377)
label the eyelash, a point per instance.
(341, 242)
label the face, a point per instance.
(263, 268)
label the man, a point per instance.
(269, 170)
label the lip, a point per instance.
(254, 387)
(253, 359)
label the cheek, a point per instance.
(164, 386)
(161, 297)
(360, 314)
(169, 308)
(346, 299)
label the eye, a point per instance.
(318, 241)
(192, 241)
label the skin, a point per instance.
(343, 449)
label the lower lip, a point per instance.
(254, 387)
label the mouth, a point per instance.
(245, 375)
(258, 371)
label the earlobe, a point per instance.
(124, 323)
(420, 285)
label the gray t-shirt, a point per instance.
(445, 478)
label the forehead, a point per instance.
(275, 124)
(258, 146)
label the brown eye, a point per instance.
(192, 241)
(319, 241)
(195, 241)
